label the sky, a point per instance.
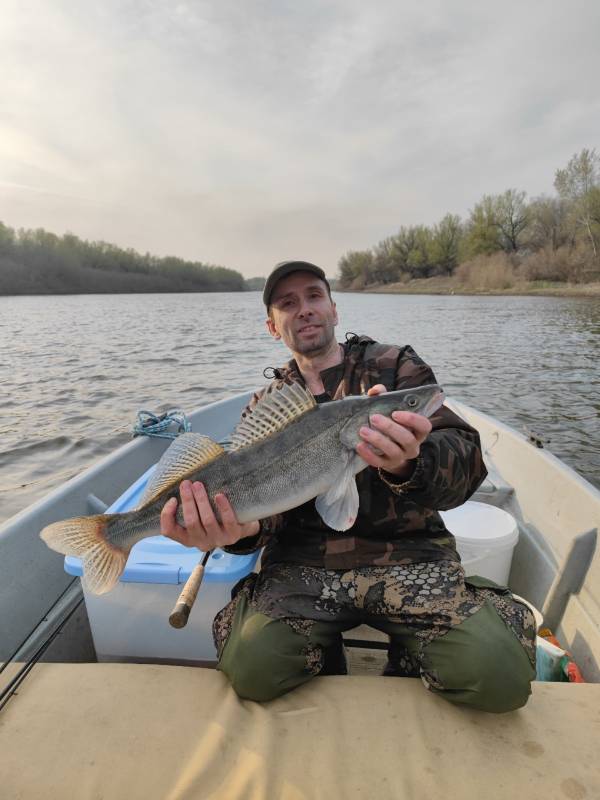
(246, 133)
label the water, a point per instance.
(75, 370)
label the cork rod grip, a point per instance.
(181, 612)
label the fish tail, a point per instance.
(86, 538)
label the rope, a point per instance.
(149, 424)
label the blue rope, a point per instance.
(149, 424)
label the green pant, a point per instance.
(480, 663)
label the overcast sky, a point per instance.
(243, 133)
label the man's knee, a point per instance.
(480, 663)
(264, 658)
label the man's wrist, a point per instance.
(404, 472)
(398, 483)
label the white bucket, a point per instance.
(485, 539)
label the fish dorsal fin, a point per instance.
(187, 453)
(275, 410)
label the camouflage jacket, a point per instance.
(391, 527)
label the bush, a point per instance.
(566, 264)
(358, 283)
(493, 272)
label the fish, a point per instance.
(285, 452)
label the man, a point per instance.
(396, 569)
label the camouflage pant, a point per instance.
(283, 624)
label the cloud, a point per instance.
(244, 133)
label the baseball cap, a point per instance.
(284, 268)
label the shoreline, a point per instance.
(439, 286)
(449, 286)
(79, 293)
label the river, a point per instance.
(74, 370)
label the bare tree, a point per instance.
(577, 184)
(512, 219)
(548, 223)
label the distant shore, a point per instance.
(451, 286)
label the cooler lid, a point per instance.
(161, 560)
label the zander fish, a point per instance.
(284, 453)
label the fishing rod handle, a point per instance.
(181, 612)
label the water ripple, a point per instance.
(74, 388)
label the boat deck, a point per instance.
(149, 731)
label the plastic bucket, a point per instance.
(485, 539)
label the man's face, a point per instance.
(302, 313)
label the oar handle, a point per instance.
(181, 612)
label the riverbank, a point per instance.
(36, 262)
(441, 285)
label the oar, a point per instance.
(181, 612)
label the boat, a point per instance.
(59, 695)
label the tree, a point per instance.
(41, 262)
(548, 223)
(498, 222)
(445, 243)
(580, 175)
(420, 259)
(482, 231)
(387, 261)
(355, 268)
(403, 244)
(7, 239)
(512, 219)
(577, 185)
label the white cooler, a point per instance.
(131, 622)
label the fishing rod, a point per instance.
(181, 611)
(11, 688)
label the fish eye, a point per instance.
(412, 401)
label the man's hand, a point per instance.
(393, 443)
(202, 529)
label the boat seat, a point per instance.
(145, 732)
